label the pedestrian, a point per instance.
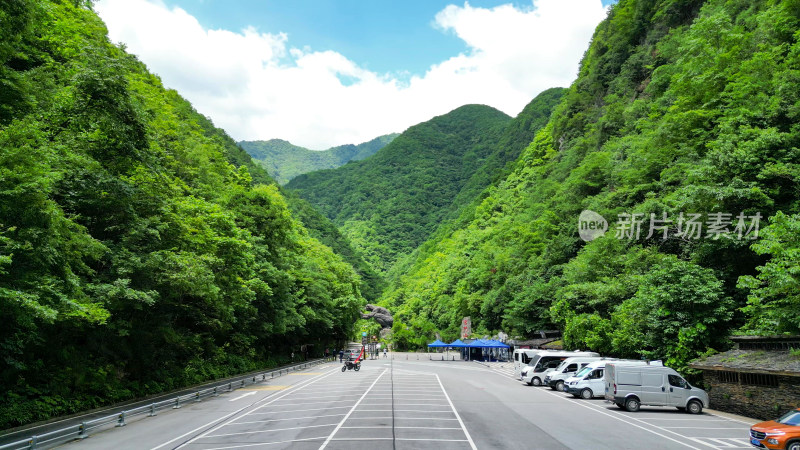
(384, 352)
(292, 356)
(341, 354)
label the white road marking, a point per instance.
(243, 396)
(722, 443)
(290, 390)
(280, 420)
(286, 392)
(622, 418)
(268, 443)
(268, 431)
(299, 410)
(469, 438)
(324, 444)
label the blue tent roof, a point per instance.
(457, 343)
(438, 343)
(497, 344)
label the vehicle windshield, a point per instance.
(790, 418)
(583, 372)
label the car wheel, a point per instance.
(794, 445)
(694, 407)
(586, 394)
(632, 404)
(560, 386)
(536, 381)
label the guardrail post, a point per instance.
(215, 392)
(82, 431)
(272, 374)
(242, 383)
(177, 403)
(152, 410)
(230, 386)
(121, 421)
(197, 396)
(32, 443)
(254, 380)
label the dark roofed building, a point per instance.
(759, 378)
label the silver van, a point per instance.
(533, 374)
(630, 387)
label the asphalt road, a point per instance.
(414, 405)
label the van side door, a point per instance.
(594, 381)
(654, 388)
(678, 393)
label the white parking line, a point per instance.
(299, 410)
(267, 431)
(291, 390)
(280, 420)
(243, 396)
(324, 444)
(268, 443)
(469, 438)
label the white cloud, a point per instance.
(259, 86)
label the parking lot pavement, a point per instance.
(706, 430)
(415, 405)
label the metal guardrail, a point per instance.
(82, 430)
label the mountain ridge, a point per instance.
(285, 161)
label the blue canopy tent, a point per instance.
(438, 343)
(457, 343)
(488, 344)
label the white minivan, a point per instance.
(629, 387)
(566, 369)
(533, 374)
(522, 356)
(588, 382)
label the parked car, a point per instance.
(588, 382)
(782, 433)
(350, 354)
(523, 356)
(566, 369)
(533, 374)
(629, 387)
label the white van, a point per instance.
(629, 387)
(533, 374)
(588, 382)
(566, 369)
(522, 356)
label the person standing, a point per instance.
(341, 354)
(384, 352)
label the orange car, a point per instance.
(783, 433)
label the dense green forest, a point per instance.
(140, 248)
(390, 203)
(680, 107)
(285, 161)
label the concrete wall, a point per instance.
(761, 402)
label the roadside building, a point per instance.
(759, 378)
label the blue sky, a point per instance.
(331, 72)
(397, 37)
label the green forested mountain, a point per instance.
(681, 107)
(390, 203)
(135, 256)
(285, 161)
(323, 230)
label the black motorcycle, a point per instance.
(351, 365)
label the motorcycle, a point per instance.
(351, 365)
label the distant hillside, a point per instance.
(390, 203)
(284, 161)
